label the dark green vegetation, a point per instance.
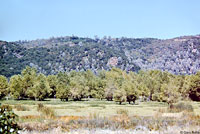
(50, 56)
(116, 84)
(8, 120)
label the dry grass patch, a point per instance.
(180, 107)
(20, 107)
(122, 112)
(69, 118)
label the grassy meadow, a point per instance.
(87, 107)
(142, 117)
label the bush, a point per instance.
(21, 108)
(8, 124)
(40, 106)
(46, 111)
(181, 106)
(7, 107)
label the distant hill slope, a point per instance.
(178, 55)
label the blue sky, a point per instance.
(33, 19)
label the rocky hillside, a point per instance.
(178, 55)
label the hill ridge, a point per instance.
(178, 55)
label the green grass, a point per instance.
(85, 108)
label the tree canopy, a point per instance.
(114, 85)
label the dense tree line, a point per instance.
(116, 85)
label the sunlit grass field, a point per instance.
(87, 107)
(101, 114)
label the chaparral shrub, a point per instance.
(46, 111)
(8, 118)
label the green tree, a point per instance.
(62, 91)
(53, 82)
(63, 77)
(131, 90)
(186, 87)
(29, 76)
(168, 91)
(3, 86)
(119, 96)
(101, 84)
(114, 79)
(109, 91)
(62, 86)
(156, 79)
(16, 87)
(78, 88)
(91, 84)
(40, 90)
(194, 87)
(115, 75)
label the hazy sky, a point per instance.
(32, 19)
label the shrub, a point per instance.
(7, 107)
(40, 106)
(21, 108)
(46, 111)
(181, 106)
(8, 124)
